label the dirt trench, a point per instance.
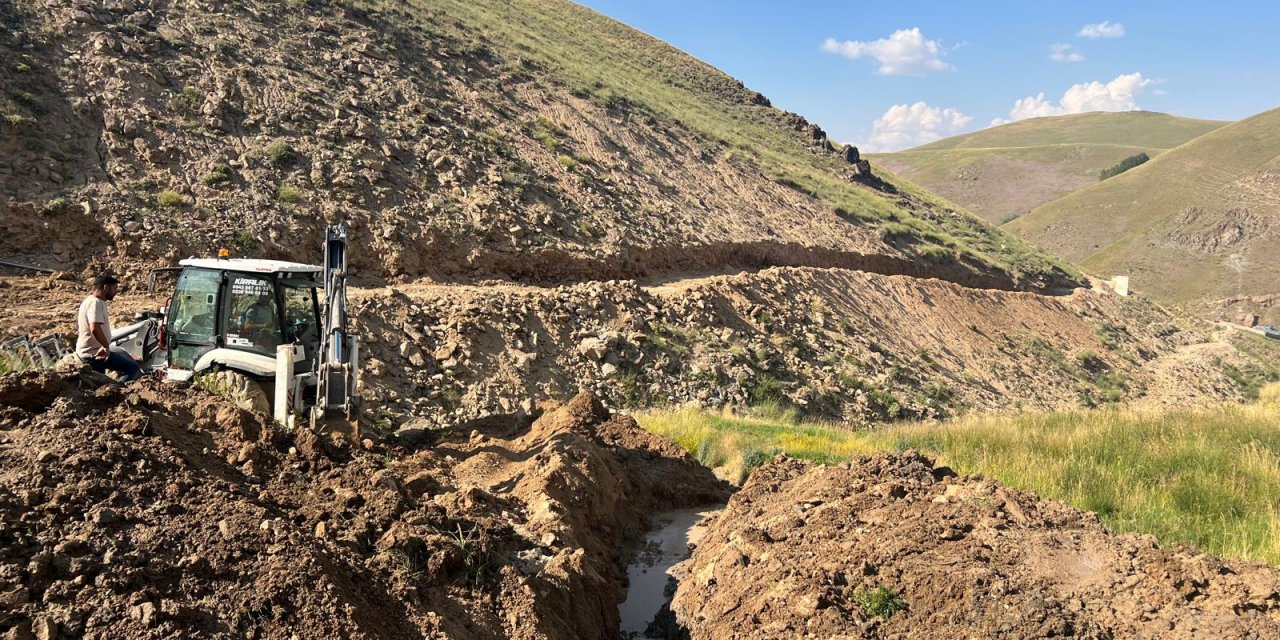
(145, 512)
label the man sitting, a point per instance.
(93, 343)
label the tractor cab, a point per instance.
(258, 332)
(235, 313)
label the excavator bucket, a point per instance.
(336, 423)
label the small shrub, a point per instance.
(220, 174)
(11, 362)
(547, 133)
(764, 390)
(883, 404)
(279, 154)
(57, 205)
(567, 161)
(288, 194)
(880, 602)
(937, 255)
(187, 101)
(245, 242)
(171, 199)
(28, 100)
(1091, 362)
(16, 119)
(475, 564)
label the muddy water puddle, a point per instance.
(665, 545)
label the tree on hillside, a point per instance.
(1123, 166)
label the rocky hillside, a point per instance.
(1006, 171)
(524, 140)
(1197, 226)
(543, 200)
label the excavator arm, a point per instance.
(337, 407)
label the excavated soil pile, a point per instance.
(145, 512)
(798, 549)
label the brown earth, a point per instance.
(145, 512)
(969, 558)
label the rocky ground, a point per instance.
(892, 547)
(148, 513)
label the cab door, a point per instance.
(191, 325)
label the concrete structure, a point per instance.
(1120, 284)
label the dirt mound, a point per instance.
(835, 344)
(799, 549)
(145, 513)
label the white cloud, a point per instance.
(1121, 94)
(904, 53)
(1104, 29)
(904, 126)
(1064, 53)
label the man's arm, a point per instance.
(100, 335)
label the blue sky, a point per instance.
(960, 66)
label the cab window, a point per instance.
(250, 314)
(192, 314)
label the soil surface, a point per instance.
(144, 512)
(968, 558)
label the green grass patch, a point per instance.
(171, 199)
(880, 602)
(288, 194)
(1210, 477)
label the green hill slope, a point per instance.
(1003, 172)
(1127, 128)
(1197, 224)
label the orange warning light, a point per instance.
(223, 253)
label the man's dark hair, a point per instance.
(104, 280)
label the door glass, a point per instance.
(250, 314)
(300, 326)
(191, 315)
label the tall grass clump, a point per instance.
(733, 445)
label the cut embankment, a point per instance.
(893, 547)
(676, 262)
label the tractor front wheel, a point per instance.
(240, 389)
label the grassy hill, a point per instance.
(1006, 171)
(1196, 225)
